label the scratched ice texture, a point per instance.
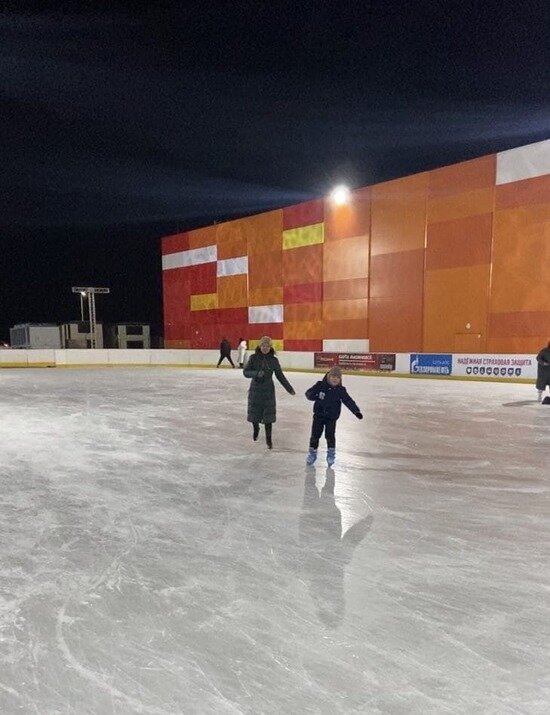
(154, 559)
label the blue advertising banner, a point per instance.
(423, 364)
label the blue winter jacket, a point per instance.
(328, 400)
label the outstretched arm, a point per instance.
(279, 374)
(350, 404)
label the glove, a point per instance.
(260, 374)
(359, 416)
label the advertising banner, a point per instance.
(356, 361)
(482, 365)
(427, 364)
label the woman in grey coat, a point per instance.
(262, 407)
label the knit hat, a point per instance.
(335, 372)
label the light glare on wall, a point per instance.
(340, 195)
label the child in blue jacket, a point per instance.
(328, 395)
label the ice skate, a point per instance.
(331, 456)
(311, 457)
(539, 396)
(256, 432)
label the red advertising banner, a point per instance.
(356, 361)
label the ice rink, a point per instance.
(155, 560)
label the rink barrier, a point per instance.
(481, 367)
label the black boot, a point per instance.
(256, 431)
(268, 436)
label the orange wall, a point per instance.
(450, 260)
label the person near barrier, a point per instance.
(225, 352)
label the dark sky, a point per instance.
(118, 126)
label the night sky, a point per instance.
(120, 127)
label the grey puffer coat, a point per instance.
(260, 369)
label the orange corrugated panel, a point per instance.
(265, 270)
(398, 221)
(299, 312)
(345, 329)
(303, 330)
(398, 274)
(523, 193)
(395, 306)
(272, 295)
(201, 237)
(303, 265)
(231, 239)
(524, 324)
(264, 233)
(521, 256)
(394, 326)
(530, 345)
(345, 309)
(467, 203)
(459, 178)
(233, 291)
(346, 289)
(351, 219)
(461, 242)
(454, 299)
(348, 258)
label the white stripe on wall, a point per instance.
(525, 162)
(346, 346)
(233, 266)
(265, 314)
(193, 257)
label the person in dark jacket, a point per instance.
(262, 407)
(328, 395)
(225, 352)
(543, 370)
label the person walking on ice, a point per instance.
(225, 352)
(262, 407)
(242, 352)
(543, 370)
(328, 395)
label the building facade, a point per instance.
(450, 260)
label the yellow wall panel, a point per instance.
(233, 291)
(205, 301)
(278, 345)
(453, 298)
(303, 236)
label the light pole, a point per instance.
(90, 294)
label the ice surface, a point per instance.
(155, 560)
